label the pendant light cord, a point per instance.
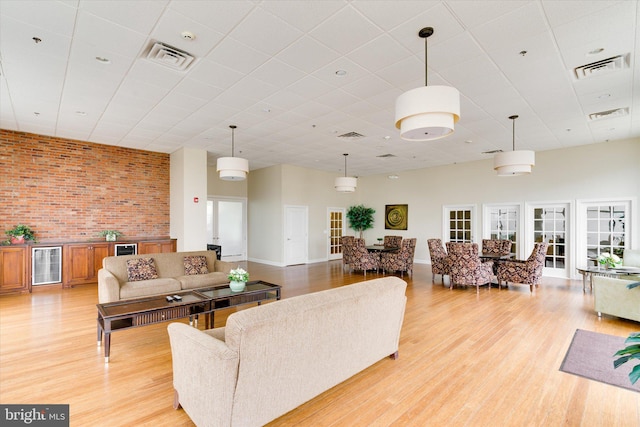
(345, 164)
(425, 33)
(513, 130)
(233, 131)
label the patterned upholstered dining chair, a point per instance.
(362, 259)
(402, 260)
(496, 247)
(347, 243)
(439, 259)
(392, 241)
(466, 267)
(526, 272)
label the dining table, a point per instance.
(380, 249)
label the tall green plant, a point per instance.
(630, 353)
(360, 218)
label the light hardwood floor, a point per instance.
(466, 359)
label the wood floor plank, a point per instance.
(466, 359)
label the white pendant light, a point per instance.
(514, 162)
(429, 112)
(346, 184)
(232, 168)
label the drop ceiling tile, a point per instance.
(390, 14)
(223, 15)
(237, 56)
(278, 73)
(139, 16)
(307, 54)
(214, 74)
(265, 32)
(55, 17)
(345, 31)
(107, 35)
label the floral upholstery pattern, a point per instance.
(498, 247)
(347, 243)
(402, 260)
(392, 241)
(466, 267)
(440, 263)
(363, 259)
(526, 272)
(195, 265)
(141, 269)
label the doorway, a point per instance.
(227, 226)
(336, 229)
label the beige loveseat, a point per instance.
(114, 283)
(612, 297)
(270, 359)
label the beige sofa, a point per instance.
(113, 283)
(612, 297)
(270, 359)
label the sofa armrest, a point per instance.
(223, 266)
(108, 287)
(205, 372)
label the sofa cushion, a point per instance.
(143, 288)
(195, 265)
(141, 269)
(202, 280)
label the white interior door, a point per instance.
(227, 227)
(296, 235)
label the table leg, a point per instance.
(584, 281)
(107, 346)
(99, 333)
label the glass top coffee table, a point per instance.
(589, 272)
(132, 313)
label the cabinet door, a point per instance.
(13, 270)
(100, 251)
(156, 247)
(82, 262)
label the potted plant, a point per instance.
(238, 279)
(630, 352)
(110, 235)
(20, 233)
(360, 218)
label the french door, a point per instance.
(603, 226)
(502, 222)
(550, 222)
(337, 227)
(459, 223)
(227, 226)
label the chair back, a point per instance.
(392, 241)
(401, 260)
(466, 266)
(536, 259)
(347, 243)
(362, 258)
(439, 257)
(496, 247)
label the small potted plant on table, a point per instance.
(238, 279)
(20, 233)
(110, 235)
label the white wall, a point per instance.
(188, 175)
(596, 171)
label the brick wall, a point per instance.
(71, 190)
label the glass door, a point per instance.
(503, 223)
(227, 227)
(550, 223)
(604, 226)
(459, 223)
(336, 229)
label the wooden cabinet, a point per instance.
(157, 246)
(82, 261)
(14, 272)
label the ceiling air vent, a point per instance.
(385, 156)
(492, 151)
(609, 114)
(170, 56)
(602, 67)
(351, 135)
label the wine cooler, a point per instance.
(46, 265)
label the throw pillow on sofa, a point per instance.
(141, 269)
(195, 265)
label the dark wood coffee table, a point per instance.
(132, 313)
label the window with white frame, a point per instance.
(459, 223)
